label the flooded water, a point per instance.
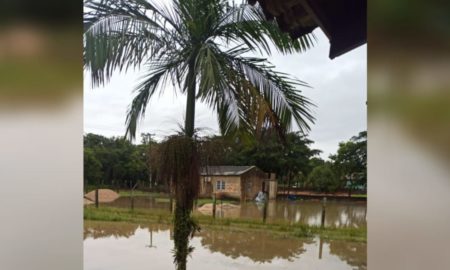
(141, 202)
(118, 246)
(338, 213)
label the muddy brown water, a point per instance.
(338, 213)
(118, 246)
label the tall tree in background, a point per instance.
(322, 178)
(114, 162)
(201, 47)
(350, 161)
(92, 168)
(268, 152)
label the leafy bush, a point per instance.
(322, 178)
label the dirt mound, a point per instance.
(87, 202)
(104, 196)
(207, 208)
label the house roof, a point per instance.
(344, 22)
(225, 170)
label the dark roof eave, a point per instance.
(221, 173)
(334, 23)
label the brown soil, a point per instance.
(207, 208)
(87, 202)
(104, 196)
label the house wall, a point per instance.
(273, 188)
(205, 187)
(244, 187)
(252, 183)
(232, 186)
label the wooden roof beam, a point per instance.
(315, 14)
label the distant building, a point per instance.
(238, 182)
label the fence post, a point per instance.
(265, 211)
(194, 205)
(324, 202)
(214, 206)
(132, 200)
(170, 197)
(96, 198)
(320, 248)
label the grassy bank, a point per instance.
(238, 224)
(359, 196)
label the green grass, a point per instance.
(162, 200)
(359, 195)
(237, 224)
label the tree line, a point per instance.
(117, 163)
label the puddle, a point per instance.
(118, 246)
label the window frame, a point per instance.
(220, 185)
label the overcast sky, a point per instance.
(339, 91)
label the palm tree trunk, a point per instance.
(190, 103)
(182, 218)
(182, 231)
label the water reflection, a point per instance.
(354, 253)
(338, 213)
(130, 246)
(140, 202)
(258, 246)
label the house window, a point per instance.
(220, 185)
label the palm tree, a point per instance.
(201, 47)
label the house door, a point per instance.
(208, 188)
(248, 190)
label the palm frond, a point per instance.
(116, 43)
(247, 92)
(160, 73)
(279, 91)
(253, 96)
(119, 35)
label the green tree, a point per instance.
(322, 178)
(92, 168)
(202, 47)
(122, 163)
(290, 158)
(350, 161)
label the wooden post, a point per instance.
(265, 211)
(151, 238)
(132, 200)
(194, 205)
(320, 248)
(132, 195)
(214, 206)
(324, 202)
(96, 198)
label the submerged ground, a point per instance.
(117, 237)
